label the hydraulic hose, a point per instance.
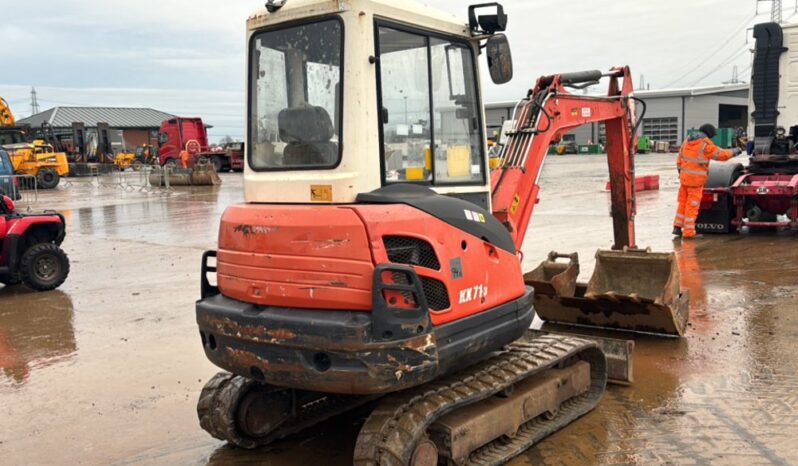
(642, 115)
(632, 151)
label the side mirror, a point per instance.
(384, 116)
(500, 59)
(489, 24)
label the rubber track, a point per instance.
(393, 430)
(218, 403)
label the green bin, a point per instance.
(724, 139)
(643, 145)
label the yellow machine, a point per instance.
(6, 117)
(144, 155)
(125, 160)
(39, 159)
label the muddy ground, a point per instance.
(108, 369)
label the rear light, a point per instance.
(709, 198)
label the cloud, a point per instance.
(188, 56)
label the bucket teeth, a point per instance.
(630, 290)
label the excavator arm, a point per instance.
(630, 289)
(548, 113)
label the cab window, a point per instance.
(295, 97)
(431, 128)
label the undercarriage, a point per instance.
(483, 415)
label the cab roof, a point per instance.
(406, 11)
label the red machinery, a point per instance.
(190, 134)
(745, 199)
(29, 248)
(325, 301)
(763, 194)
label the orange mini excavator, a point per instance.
(377, 257)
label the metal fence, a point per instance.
(142, 178)
(22, 189)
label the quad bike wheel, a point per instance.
(48, 178)
(44, 267)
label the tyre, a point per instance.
(723, 175)
(216, 161)
(48, 178)
(44, 267)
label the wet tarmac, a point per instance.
(107, 370)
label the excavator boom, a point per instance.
(630, 289)
(548, 113)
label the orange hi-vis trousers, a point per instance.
(687, 213)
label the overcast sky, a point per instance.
(187, 56)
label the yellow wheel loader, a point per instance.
(40, 160)
(36, 158)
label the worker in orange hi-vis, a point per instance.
(693, 165)
(185, 157)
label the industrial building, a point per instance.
(129, 127)
(670, 113)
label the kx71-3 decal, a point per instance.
(474, 293)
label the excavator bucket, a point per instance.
(630, 290)
(200, 175)
(552, 277)
(204, 175)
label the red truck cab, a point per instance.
(177, 134)
(180, 133)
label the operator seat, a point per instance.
(307, 131)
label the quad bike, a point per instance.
(30, 251)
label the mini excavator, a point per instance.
(377, 259)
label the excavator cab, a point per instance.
(332, 118)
